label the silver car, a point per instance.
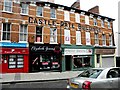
(96, 78)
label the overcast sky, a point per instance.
(108, 8)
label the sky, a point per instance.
(108, 8)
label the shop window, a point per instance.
(104, 39)
(79, 62)
(23, 33)
(110, 40)
(53, 13)
(39, 34)
(15, 61)
(96, 39)
(24, 8)
(6, 32)
(8, 5)
(53, 35)
(39, 11)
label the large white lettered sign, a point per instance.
(77, 51)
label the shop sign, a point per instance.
(77, 51)
(6, 44)
(105, 51)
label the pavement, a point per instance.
(38, 76)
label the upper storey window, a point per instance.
(102, 23)
(39, 11)
(66, 16)
(24, 8)
(109, 26)
(77, 18)
(95, 22)
(8, 5)
(87, 20)
(53, 13)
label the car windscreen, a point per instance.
(91, 73)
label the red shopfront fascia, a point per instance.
(15, 60)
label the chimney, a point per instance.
(94, 9)
(51, 1)
(76, 4)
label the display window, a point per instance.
(81, 61)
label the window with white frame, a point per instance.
(17, 1)
(8, 5)
(52, 13)
(77, 18)
(110, 40)
(87, 20)
(78, 37)
(95, 21)
(66, 15)
(103, 39)
(53, 35)
(102, 23)
(23, 33)
(39, 34)
(6, 32)
(88, 42)
(67, 36)
(24, 8)
(39, 11)
(96, 39)
(109, 26)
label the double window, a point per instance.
(39, 11)
(95, 22)
(102, 23)
(23, 33)
(24, 8)
(8, 5)
(78, 38)
(110, 40)
(53, 35)
(77, 18)
(88, 41)
(52, 13)
(87, 20)
(6, 32)
(66, 16)
(39, 34)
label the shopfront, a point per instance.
(77, 58)
(14, 59)
(44, 57)
(105, 57)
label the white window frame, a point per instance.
(8, 6)
(87, 20)
(67, 36)
(110, 40)
(78, 38)
(95, 21)
(37, 11)
(102, 23)
(51, 13)
(36, 34)
(103, 39)
(88, 38)
(53, 38)
(25, 8)
(77, 18)
(96, 39)
(109, 25)
(66, 15)
(17, 1)
(2, 34)
(23, 33)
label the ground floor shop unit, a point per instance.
(118, 61)
(14, 58)
(105, 57)
(44, 57)
(77, 57)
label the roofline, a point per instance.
(77, 10)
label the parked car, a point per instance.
(96, 78)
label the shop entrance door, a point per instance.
(68, 62)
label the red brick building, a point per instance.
(38, 36)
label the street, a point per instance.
(36, 85)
